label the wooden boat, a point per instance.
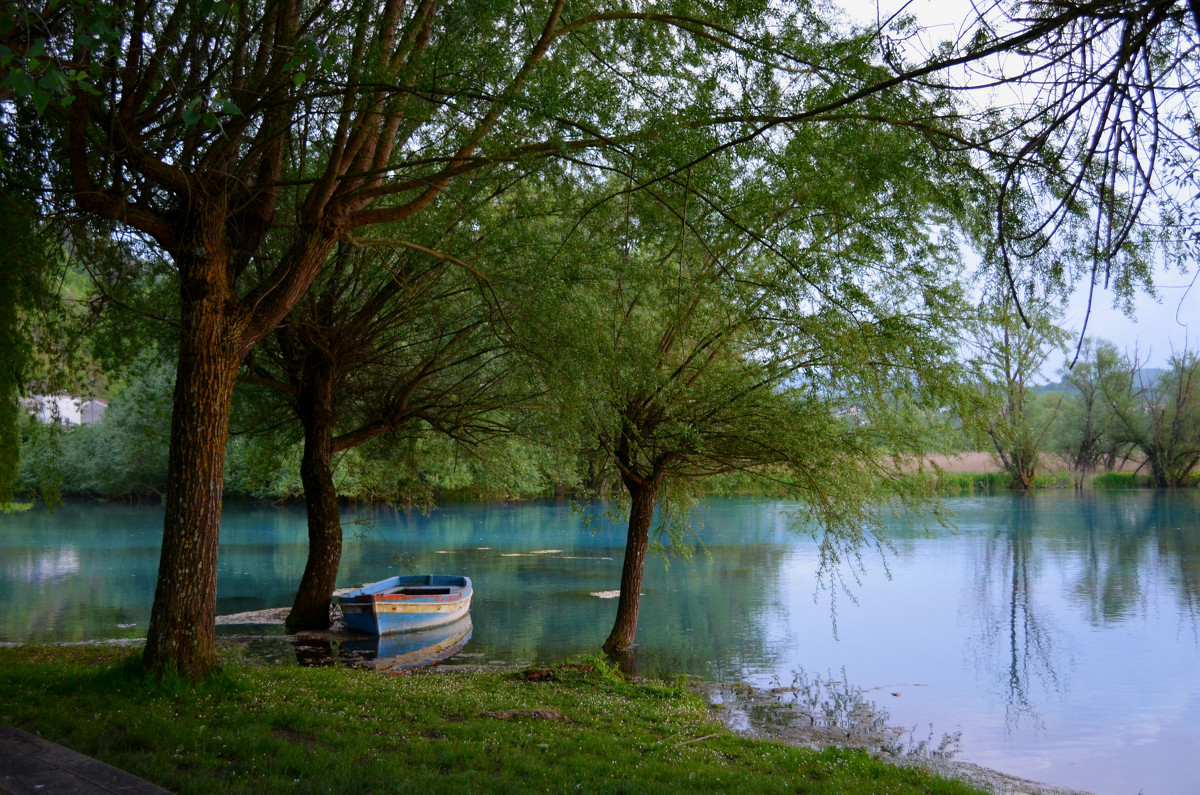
(407, 604)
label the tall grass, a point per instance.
(1122, 480)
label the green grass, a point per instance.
(1137, 480)
(960, 483)
(950, 484)
(15, 507)
(973, 482)
(1122, 480)
(1054, 480)
(290, 729)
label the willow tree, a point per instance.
(386, 341)
(1009, 357)
(789, 335)
(1087, 436)
(1157, 414)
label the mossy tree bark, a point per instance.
(316, 406)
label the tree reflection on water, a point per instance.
(1016, 643)
(1114, 553)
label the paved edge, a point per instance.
(29, 764)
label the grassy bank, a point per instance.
(949, 484)
(574, 728)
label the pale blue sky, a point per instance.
(1157, 327)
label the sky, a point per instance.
(1157, 326)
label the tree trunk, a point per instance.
(317, 413)
(1156, 459)
(1022, 475)
(182, 631)
(643, 496)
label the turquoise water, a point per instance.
(1059, 634)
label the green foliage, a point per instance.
(1054, 480)
(953, 483)
(43, 469)
(419, 466)
(1158, 416)
(581, 726)
(124, 455)
(422, 466)
(1122, 480)
(262, 467)
(20, 294)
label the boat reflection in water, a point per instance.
(400, 652)
(395, 653)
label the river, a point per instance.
(1059, 635)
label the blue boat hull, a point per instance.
(407, 604)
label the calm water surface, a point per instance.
(1059, 634)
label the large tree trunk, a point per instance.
(644, 496)
(317, 413)
(1156, 459)
(1022, 475)
(182, 631)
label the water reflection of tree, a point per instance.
(1127, 540)
(531, 605)
(1016, 643)
(1113, 550)
(1178, 538)
(698, 615)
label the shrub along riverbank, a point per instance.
(578, 727)
(949, 484)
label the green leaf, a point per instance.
(20, 82)
(102, 30)
(229, 107)
(41, 100)
(299, 78)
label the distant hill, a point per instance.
(1146, 377)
